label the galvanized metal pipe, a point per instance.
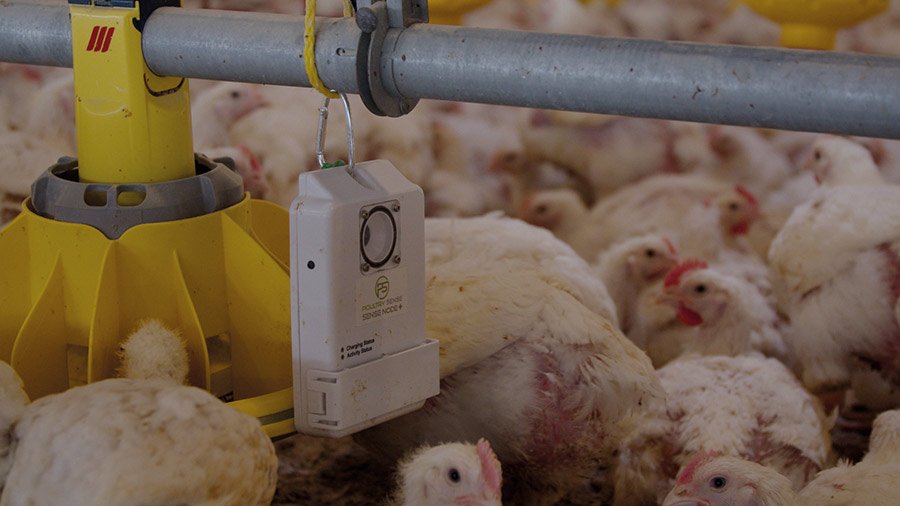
(35, 33)
(249, 47)
(796, 90)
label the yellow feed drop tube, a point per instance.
(813, 24)
(133, 126)
(451, 12)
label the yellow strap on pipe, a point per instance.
(309, 47)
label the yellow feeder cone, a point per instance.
(74, 295)
(813, 24)
(83, 273)
(451, 12)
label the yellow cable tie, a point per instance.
(309, 47)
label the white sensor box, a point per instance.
(360, 355)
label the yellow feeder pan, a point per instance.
(451, 12)
(85, 266)
(813, 24)
(70, 295)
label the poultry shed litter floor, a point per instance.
(322, 472)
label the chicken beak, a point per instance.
(261, 99)
(472, 500)
(672, 259)
(681, 497)
(667, 297)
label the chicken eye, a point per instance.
(718, 482)
(817, 155)
(454, 476)
(235, 94)
(650, 253)
(733, 206)
(700, 288)
(541, 209)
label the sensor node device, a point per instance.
(360, 355)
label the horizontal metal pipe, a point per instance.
(775, 88)
(35, 33)
(794, 90)
(249, 47)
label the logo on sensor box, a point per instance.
(382, 287)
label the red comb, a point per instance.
(31, 74)
(490, 466)
(255, 166)
(673, 278)
(697, 461)
(743, 192)
(526, 204)
(541, 118)
(672, 249)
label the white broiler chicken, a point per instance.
(451, 474)
(652, 324)
(217, 109)
(574, 17)
(684, 208)
(283, 136)
(119, 441)
(713, 480)
(563, 212)
(630, 267)
(871, 482)
(886, 154)
(452, 194)
(633, 271)
(750, 407)
(682, 20)
(13, 401)
(407, 142)
(154, 351)
(467, 142)
(462, 181)
(25, 157)
(246, 165)
(656, 329)
(648, 19)
(526, 360)
(522, 177)
(731, 314)
(691, 147)
(607, 153)
(142, 438)
(835, 267)
(51, 116)
(743, 27)
(746, 234)
(838, 161)
(18, 85)
(748, 229)
(747, 158)
(133, 442)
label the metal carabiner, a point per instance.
(320, 134)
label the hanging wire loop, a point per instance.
(323, 125)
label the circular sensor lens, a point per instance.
(378, 237)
